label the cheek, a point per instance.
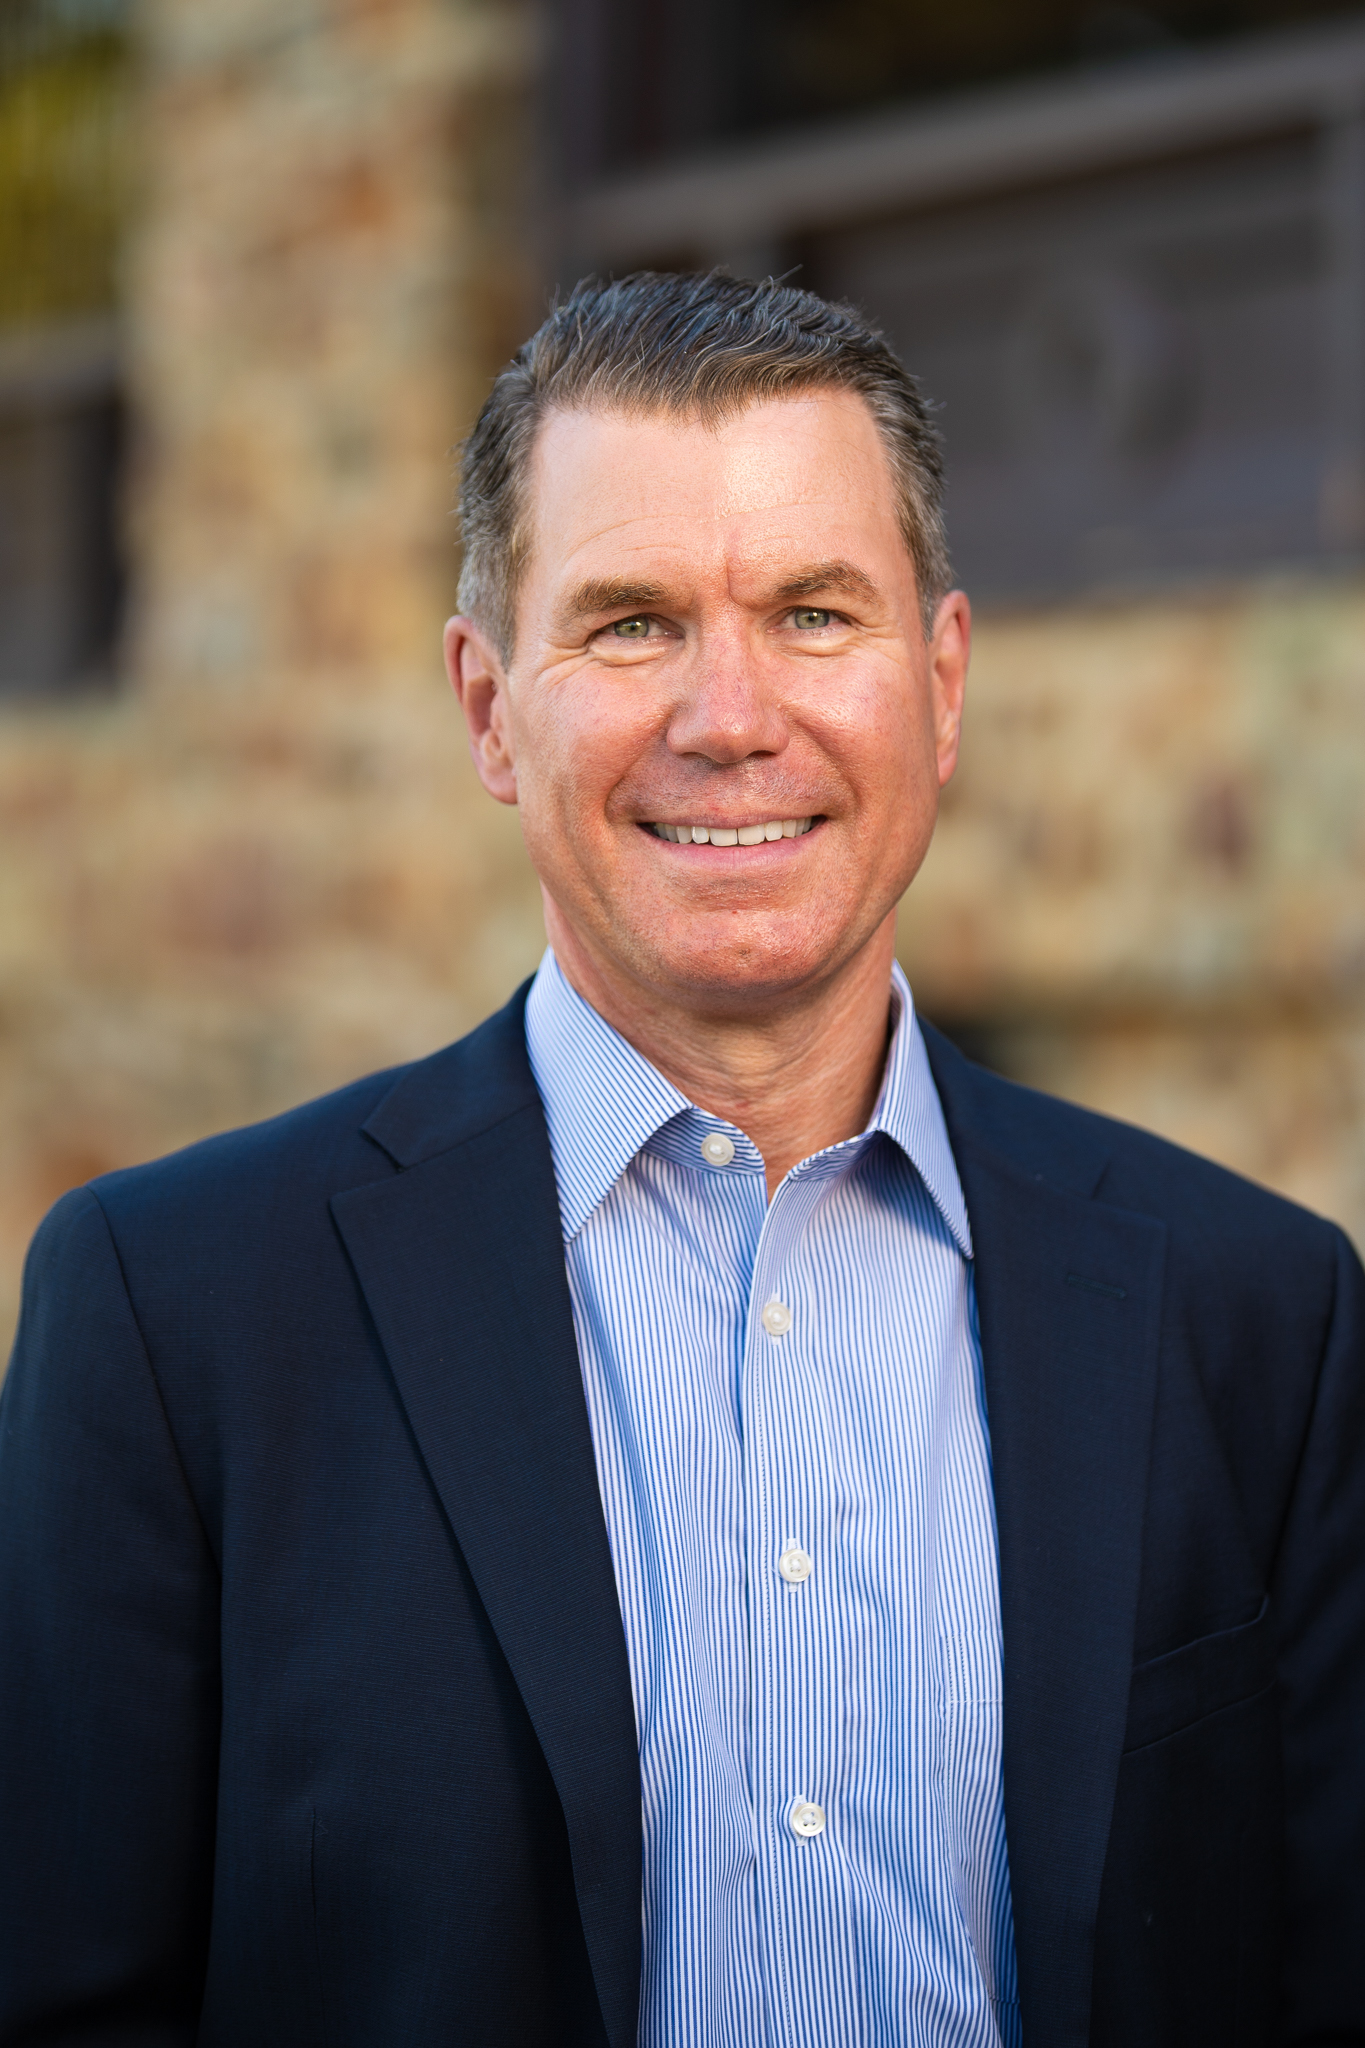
(576, 743)
(880, 730)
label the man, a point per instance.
(694, 1515)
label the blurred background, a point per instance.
(258, 263)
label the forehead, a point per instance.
(607, 484)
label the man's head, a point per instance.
(705, 586)
(700, 347)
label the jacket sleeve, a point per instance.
(1318, 1595)
(109, 1678)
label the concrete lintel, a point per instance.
(926, 155)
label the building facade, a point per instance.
(1134, 285)
(254, 861)
(242, 856)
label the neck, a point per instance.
(795, 1079)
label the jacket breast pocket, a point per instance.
(1174, 1691)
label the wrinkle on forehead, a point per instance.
(755, 495)
(751, 468)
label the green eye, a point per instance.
(809, 620)
(631, 629)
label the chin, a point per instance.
(735, 974)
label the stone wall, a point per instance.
(265, 866)
(1147, 891)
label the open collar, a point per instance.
(604, 1101)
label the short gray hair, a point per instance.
(701, 344)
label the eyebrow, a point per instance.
(823, 576)
(610, 594)
(600, 594)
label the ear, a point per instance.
(950, 651)
(480, 682)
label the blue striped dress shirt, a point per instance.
(790, 1432)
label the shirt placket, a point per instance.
(797, 1679)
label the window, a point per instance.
(1136, 291)
(63, 87)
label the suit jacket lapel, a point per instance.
(1069, 1294)
(461, 1261)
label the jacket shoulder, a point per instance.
(352, 1135)
(1047, 1138)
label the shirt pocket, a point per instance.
(969, 1665)
(970, 1799)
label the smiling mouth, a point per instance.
(732, 835)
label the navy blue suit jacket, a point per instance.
(316, 1721)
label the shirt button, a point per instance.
(777, 1318)
(806, 1819)
(794, 1565)
(716, 1149)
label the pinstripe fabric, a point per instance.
(858, 1435)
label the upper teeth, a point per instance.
(734, 835)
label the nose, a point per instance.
(727, 714)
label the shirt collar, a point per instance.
(604, 1101)
(909, 1111)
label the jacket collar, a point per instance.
(458, 1093)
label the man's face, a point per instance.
(719, 631)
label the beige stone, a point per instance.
(1159, 805)
(267, 867)
(1147, 891)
